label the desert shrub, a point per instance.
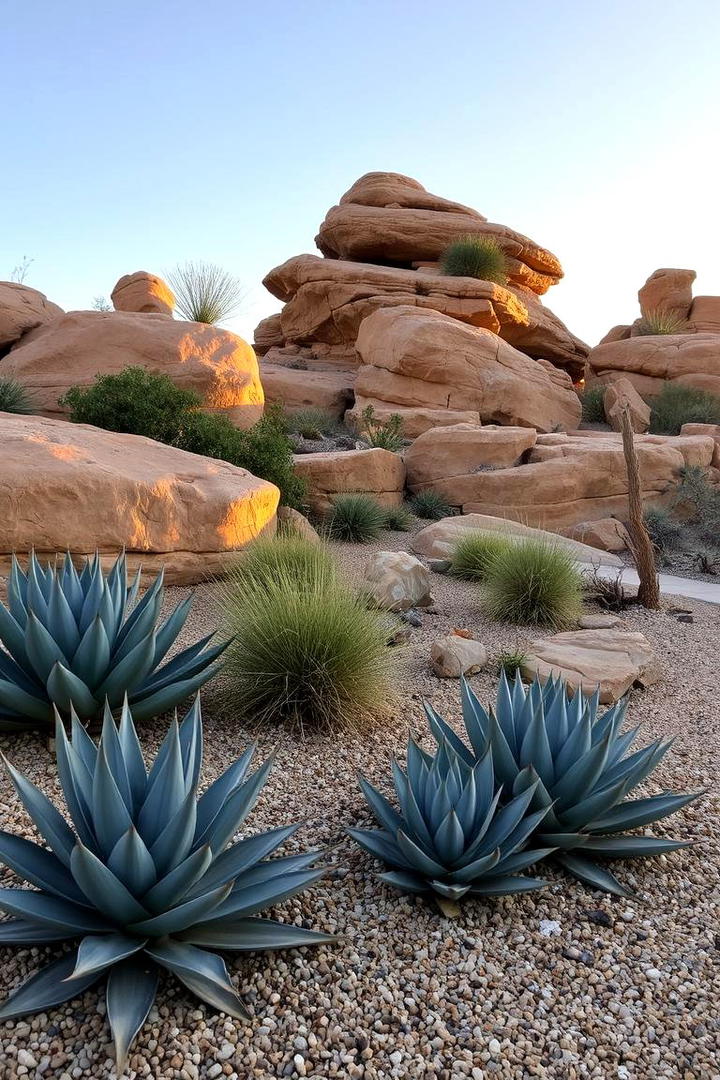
(398, 519)
(660, 321)
(477, 257)
(510, 661)
(290, 556)
(430, 505)
(311, 655)
(313, 423)
(592, 403)
(386, 434)
(475, 552)
(533, 581)
(204, 292)
(676, 405)
(607, 592)
(697, 495)
(135, 401)
(665, 530)
(355, 517)
(15, 398)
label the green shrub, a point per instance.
(474, 553)
(355, 517)
(665, 530)
(477, 257)
(593, 407)
(134, 401)
(313, 423)
(398, 519)
(660, 321)
(204, 292)
(510, 661)
(313, 655)
(385, 434)
(15, 398)
(697, 495)
(533, 582)
(676, 405)
(430, 505)
(294, 557)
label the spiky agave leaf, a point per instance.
(579, 766)
(75, 640)
(146, 875)
(448, 835)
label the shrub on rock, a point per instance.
(477, 257)
(677, 404)
(14, 397)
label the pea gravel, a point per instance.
(564, 984)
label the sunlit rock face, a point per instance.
(143, 291)
(79, 488)
(74, 349)
(22, 309)
(648, 362)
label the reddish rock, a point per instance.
(617, 333)
(619, 396)
(21, 310)
(705, 315)
(649, 362)
(667, 290)
(268, 333)
(446, 459)
(296, 389)
(395, 190)
(607, 534)
(142, 291)
(375, 472)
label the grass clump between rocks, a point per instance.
(355, 517)
(510, 661)
(592, 402)
(398, 518)
(307, 653)
(677, 404)
(430, 505)
(660, 321)
(475, 552)
(477, 257)
(14, 398)
(205, 292)
(289, 555)
(313, 424)
(533, 582)
(383, 434)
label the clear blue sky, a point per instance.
(139, 134)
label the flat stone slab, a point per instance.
(614, 660)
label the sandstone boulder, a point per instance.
(457, 654)
(617, 333)
(292, 521)
(268, 333)
(708, 430)
(602, 621)
(296, 389)
(397, 581)
(438, 540)
(613, 660)
(619, 396)
(142, 291)
(607, 534)
(395, 190)
(667, 290)
(74, 349)
(415, 358)
(705, 315)
(22, 309)
(649, 362)
(447, 458)
(79, 488)
(375, 472)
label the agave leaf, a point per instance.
(71, 587)
(26, 932)
(381, 846)
(578, 743)
(235, 809)
(38, 866)
(23, 703)
(76, 784)
(520, 860)
(11, 672)
(53, 911)
(67, 691)
(535, 750)
(129, 672)
(132, 756)
(97, 952)
(476, 720)
(147, 600)
(49, 822)
(110, 814)
(597, 804)
(131, 989)
(132, 863)
(17, 593)
(504, 885)
(176, 839)
(634, 813)
(36, 595)
(202, 972)
(238, 859)
(386, 815)
(103, 888)
(632, 847)
(62, 620)
(12, 635)
(169, 632)
(253, 934)
(244, 901)
(472, 870)
(449, 839)
(191, 744)
(402, 879)
(139, 632)
(181, 917)
(43, 651)
(444, 733)
(93, 587)
(82, 744)
(169, 890)
(590, 873)
(165, 790)
(91, 659)
(45, 989)
(110, 742)
(144, 708)
(508, 818)
(183, 667)
(416, 857)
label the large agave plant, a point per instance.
(578, 766)
(449, 836)
(145, 875)
(75, 640)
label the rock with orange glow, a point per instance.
(142, 291)
(374, 472)
(74, 349)
(418, 359)
(21, 310)
(79, 488)
(667, 290)
(692, 359)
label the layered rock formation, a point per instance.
(651, 361)
(374, 472)
(381, 245)
(79, 488)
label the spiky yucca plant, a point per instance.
(449, 836)
(72, 641)
(145, 874)
(577, 765)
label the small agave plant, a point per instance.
(449, 837)
(145, 875)
(577, 765)
(75, 640)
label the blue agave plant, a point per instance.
(448, 836)
(75, 640)
(145, 874)
(578, 766)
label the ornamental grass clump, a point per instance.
(74, 640)
(475, 552)
(533, 582)
(289, 555)
(355, 518)
(306, 653)
(661, 321)
(477, 257)
(145, 874)
(448, 837)
(14, 398)
(430, 505)
(398, 519)
(577, 764)
(205, 292)
(592, 403)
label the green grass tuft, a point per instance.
(15, 398)
(385, 434)
(398, 519)
(477, 257)
(593, 407)
(430, 505)
(659, 321)
(290, 556)
(510, 661)
(676, 405)
(312, 423)
(475, 552)
(204, 292)
(533, 582)
(355, 517)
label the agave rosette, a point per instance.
(449, 835)
(579, 767)
(145, 874)
(76, 640)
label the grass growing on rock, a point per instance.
(313, 423)
(676, 405)
(430, 505)
(14, 398)
(533, 582)
(205, 292)
(592, 404)
(659, 321)
(355, 517)
(475, 552)
(477, 257)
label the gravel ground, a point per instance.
(565, 983)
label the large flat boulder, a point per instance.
(74, 349)
(21, 310)
(613, 660)
(416, 358)
(692, 359)
(79, 488)
(446, 458)
(438, 540)
(374, 472)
